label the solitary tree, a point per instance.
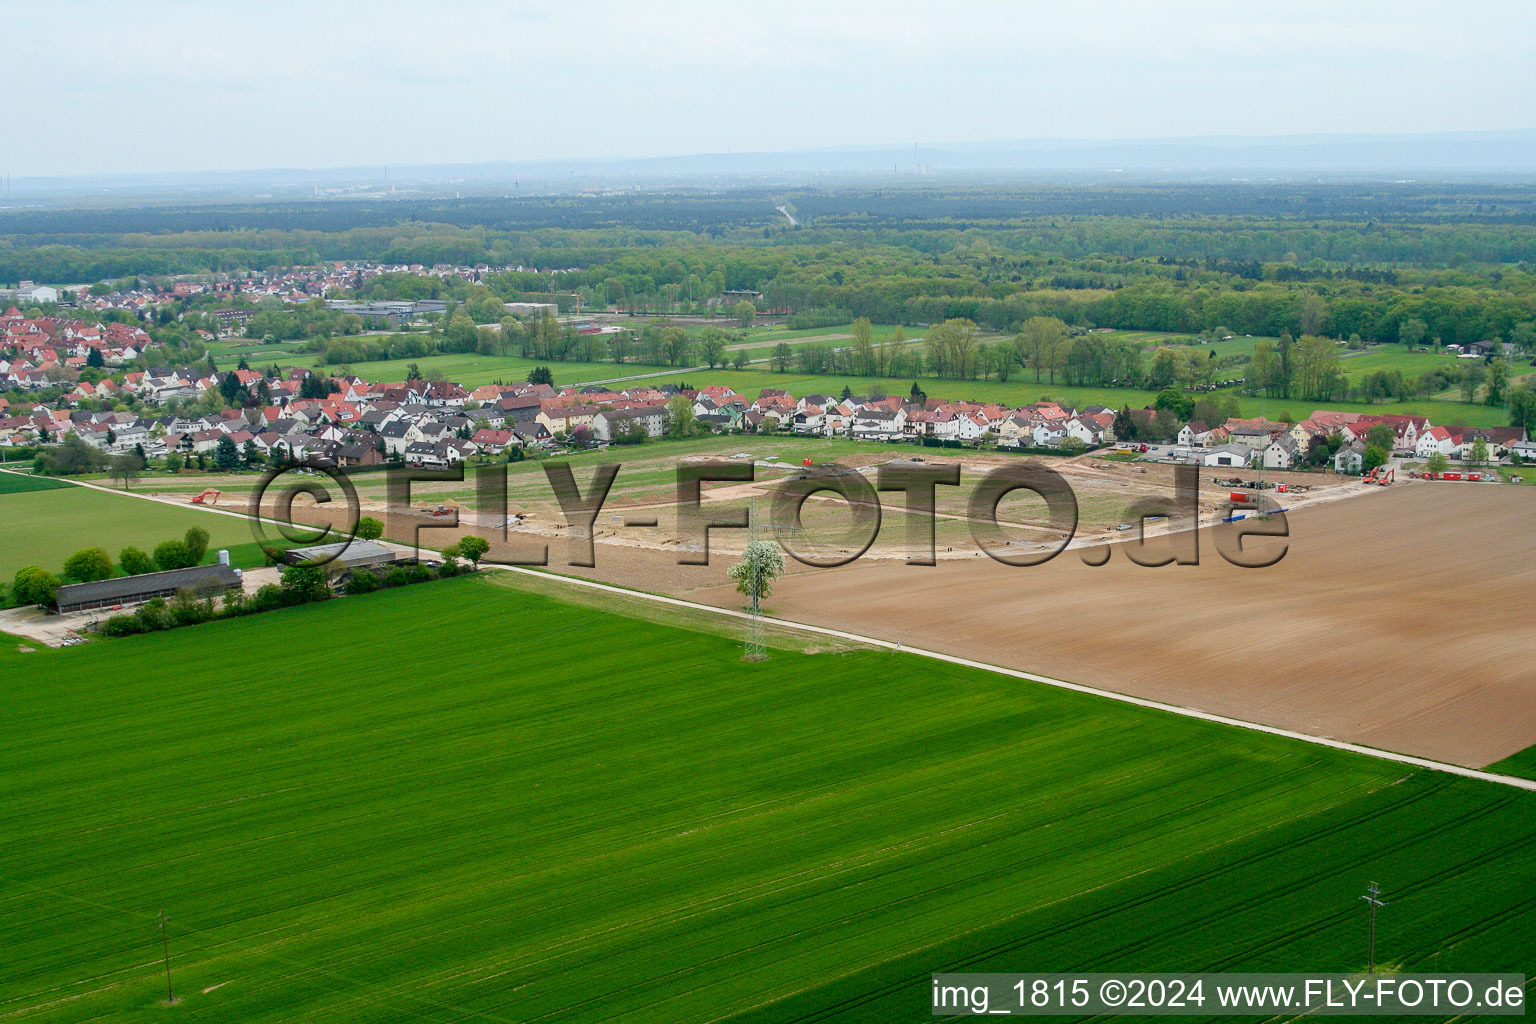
(1437, 463)
(760, 565)
(474, 549)
(369, 528)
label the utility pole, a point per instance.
(1373, 897)
(165, 940)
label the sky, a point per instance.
(173, 86)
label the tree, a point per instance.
(125, 468)
(1039, 341)
(173, 462)
(1437, 463)
(1125, 427)
(1471, 380)
(93, 357)
(171, 554)
(134, 562)
(196, 541)
(304, 583)
(369, 528)
(1412, 332)
(1381, 436)
(1522, 407)
(675, 345)
(1315, 316)
(88, 565)
(740, 358)
(761, 563)
(541, 375)
(1498, 380)
(34, 585)
(225, 455)
(1375, 456)
(712, 346)
(783, 355)
(681, 421)
(474, 549)
(744, 312)
(1478, 453)
(862, 348)
(1176, 402)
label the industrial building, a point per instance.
(202, 580)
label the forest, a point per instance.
(1304, 267)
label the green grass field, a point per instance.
(548, 811)
(1522, 764)
(45, 527)
(16, 483)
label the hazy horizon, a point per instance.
(182, 87)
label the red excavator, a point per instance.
(208, 497)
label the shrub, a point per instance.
(187, 610)
(153, 616)
(120, 625)
(267, 598)
(362, 582)
(418, 573)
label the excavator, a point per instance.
(208, 497)
(1380, 475)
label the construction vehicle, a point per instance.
(1386, 478)
(1370, 477)
(441, 510)
(208, 497)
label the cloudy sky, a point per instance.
(158, 85)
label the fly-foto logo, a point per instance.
(913, 487)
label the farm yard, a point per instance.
(632, 833)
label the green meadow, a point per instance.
(44, 527)
(469, 801)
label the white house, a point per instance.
(1238, 456)
(1435, 440)
(1282, 452)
